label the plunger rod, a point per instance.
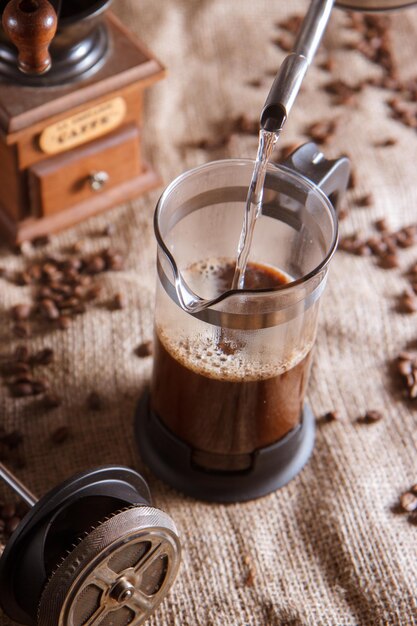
(18, 487)
(291, 74)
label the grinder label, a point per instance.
(82, 127)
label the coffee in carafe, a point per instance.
(226, 419)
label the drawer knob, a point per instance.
(98, 180)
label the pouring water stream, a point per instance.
(274, 114)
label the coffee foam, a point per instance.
(227, 356)
(233, 364)
(206, 277)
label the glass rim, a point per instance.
(273, 167)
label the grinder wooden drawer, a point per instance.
(65, 180)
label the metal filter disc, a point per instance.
(117, 574)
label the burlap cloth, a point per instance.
(328, 549)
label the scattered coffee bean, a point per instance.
(51, 401)
(94, 401)
(332, 416)
(49, 309)
(95, 265)
(389, 261)
(15, 368)
(21, 390)
(370, 417)
(321, 132)
(43, 357)
(385, 143)
(12, 524)
(408, 302)
(408, 501)
(365, 200)
(291, 24)
(22, 354)
(64, 322)
(8, 511)
(12, 440)
(283, 43)
(342, 93)
(382, 225)
(21, 312)
(119, 302)
(109, 230)
(41, 241)
(60, 435)
(21, 330)
(144, 350)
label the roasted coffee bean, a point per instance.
(327, 65)
(385, 143)
(21, 390)
(405, 368)
(22, 354)
(64, 322)
(283, 43)
(352, 180)
(93, 293)
(118, 302)
(39, 387)
(8, 511)
(2, 525)
(15, 368)
(332, 416)
(408, 501)
(109, 230)
(95, 265)
(12, 524)
(60, 435)
(94, 401)
(41, 241)
(389, 261)
(409, 303)
(21, 330)
(144, 350)
(69, 303)
(49, 309)
(382, 225)
(370, 417)
(342, 92)
(245, 125)
(365, 200)
(43, 357)
(292, 24)
(13, 439)
(114, 261)
(322, 131)
(21, 312)
(51, 401)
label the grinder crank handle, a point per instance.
(291, 74)
(31, 25)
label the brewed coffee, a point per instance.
(216, 395)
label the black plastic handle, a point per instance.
(331, 176)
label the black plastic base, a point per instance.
(170, 458)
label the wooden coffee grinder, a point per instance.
(72, 80)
